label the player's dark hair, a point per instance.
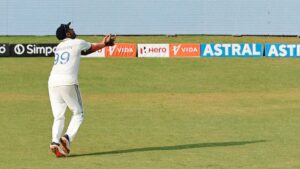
(61, 32)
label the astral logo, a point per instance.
(232, 50)
(282, 50)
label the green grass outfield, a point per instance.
(194, 113)
(158, 39)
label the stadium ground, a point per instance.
(157, 113)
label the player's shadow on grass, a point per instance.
(171, 148)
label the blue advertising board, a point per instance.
(282, 50)
(232, 50)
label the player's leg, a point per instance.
(58, 108)
(73, 99)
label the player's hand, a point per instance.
(109, 40)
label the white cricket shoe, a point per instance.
(57, 150)
(65, 144)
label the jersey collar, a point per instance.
(66, 39)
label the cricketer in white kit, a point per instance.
(63, 85)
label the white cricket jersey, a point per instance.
(66, 63)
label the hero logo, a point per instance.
(112, 49)
(2, 49)
(30, 49)
(19, 49)
(178, 48)
(146, 50)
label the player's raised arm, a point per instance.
(108, 40)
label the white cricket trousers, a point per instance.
(62, 97)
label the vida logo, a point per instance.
(119, 49)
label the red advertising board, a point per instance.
(121, 50)
(184, 50)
